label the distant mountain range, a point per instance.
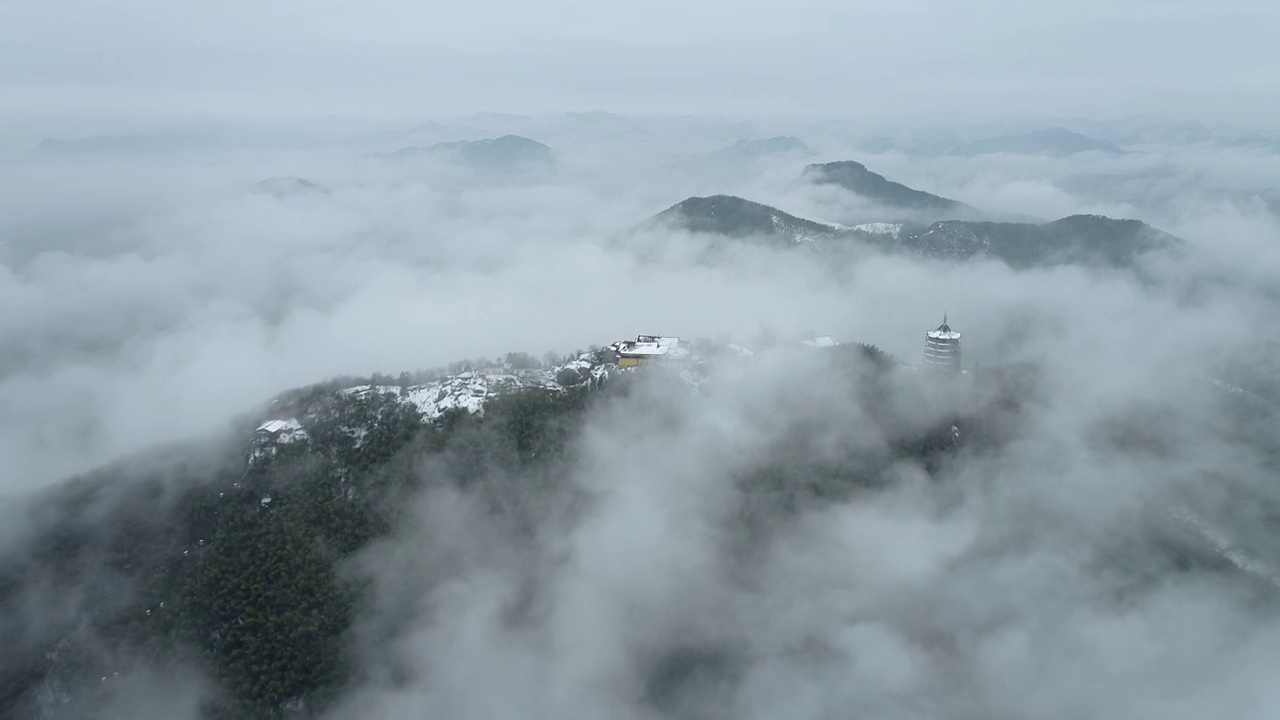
(856, 178)
(503, 152)
(289, 187)
(756, 148)
(1057, 142)
(1050, 142)
(1091, 240)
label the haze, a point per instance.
(202, 208)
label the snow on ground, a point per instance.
(1227, 549)
(880, 228)
(470, 390)
(464, 391)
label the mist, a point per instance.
(1021, 579)
(206, 209)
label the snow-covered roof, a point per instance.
(944, 332)
(645, 349)
(820, 341)
(649, 346)
(275, 426)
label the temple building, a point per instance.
(942, 347)
(644, 349)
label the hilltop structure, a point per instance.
(942, 347)
(644, 349)
(820, 341)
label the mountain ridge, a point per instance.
(1054, 142)
(757, 148)
(1092, 240)
(736, 217)
(192, 560)
(855, 177)
(503, 152)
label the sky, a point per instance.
(396, 58)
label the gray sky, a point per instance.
(1212, 60)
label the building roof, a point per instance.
(648, 346)
(275, 426)
(634, 349)
(944, 331)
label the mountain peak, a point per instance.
(288, 187)
(855, 177)
(734, 216)
(504, 152)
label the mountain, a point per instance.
(508, 151)
(274, 570)
(1092, 240)
(504, 151)
(1055, 142)
(428, 127)
(189, 557)
(736, 217)
(294, 418)
(281, 187)
(756, 148)
(855, 177)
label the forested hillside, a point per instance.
(182, 557)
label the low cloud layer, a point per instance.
(1039, 576)
(1031, 575)
(172, 298)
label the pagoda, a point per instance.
(942, 347)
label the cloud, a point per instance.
(1040, 570)
(1038, 574)
(205, 300)
(173, 275)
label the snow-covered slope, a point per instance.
(296, 421)
(880, 228)
(466, 391)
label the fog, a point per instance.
(153, 296)
(1021, 582)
